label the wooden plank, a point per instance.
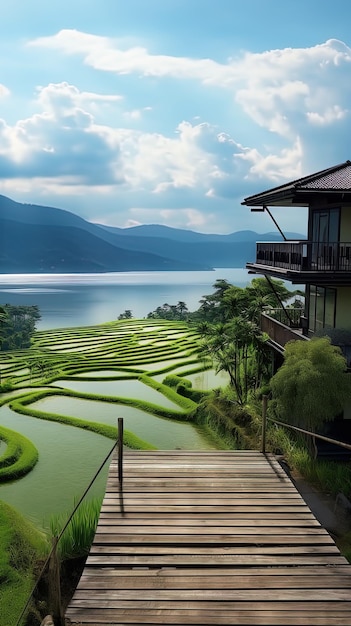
(244, 560)
(282, 518)
(209, 538)
(260, 618)
(220, 532)
(322, 572)
(195, 597)
(132, 579)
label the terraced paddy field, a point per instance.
(58, 418)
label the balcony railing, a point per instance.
(305, 255)
(287, 316)
(283, 325)
(280, 332)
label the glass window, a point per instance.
(312, 309)
(334, 225)
(319, 308)
(329, 314)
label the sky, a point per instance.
(171, 111)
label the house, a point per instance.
(322, 263)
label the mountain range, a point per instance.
(40, 239)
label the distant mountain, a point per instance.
(45, 239)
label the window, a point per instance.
(325, 238)
(321, 313)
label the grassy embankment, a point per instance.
(21, 548)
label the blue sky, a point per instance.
(171, 111)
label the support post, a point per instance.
(264, 423)
(120, 452)
(55, 586)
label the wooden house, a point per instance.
(322, 263)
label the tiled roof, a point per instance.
(337, 179)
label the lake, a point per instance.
(69, 300)
(85, 299)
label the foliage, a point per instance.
(172, 380)
(170, 312)
(7, 385)
(127, 315)
(239, 348)
(312, 386)
(77, 538)
(17, 324)
(329, 477)
(230, 301)
(3, 323)
(21, 547)
(185, 403)
(232, 426)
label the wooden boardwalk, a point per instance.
(204, 538)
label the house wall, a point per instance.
(343, 307)
(345, 224)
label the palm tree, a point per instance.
(236, 348)
(182, 308)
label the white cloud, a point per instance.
(276, 88)
(61, 141)
(274, 167)
(190, 218)
(69, 147)
(104, 54)
(64, 145)
(330, 115)
(136, 114)
(4, 91)
(61, 98)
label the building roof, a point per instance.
(334, 180)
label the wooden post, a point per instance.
(120, 452)
(264, 423)
(55, 586)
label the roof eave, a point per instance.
(293, 197)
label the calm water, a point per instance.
(68, 457)
(84, 299)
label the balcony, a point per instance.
(304, 261)
(282, 329)
(283, 325)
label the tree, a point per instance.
(182, 309)
(127, 315)
(312, 386)
(234, 302)
(18, 326)
(261, 287)
(3, 322)
(238, 348)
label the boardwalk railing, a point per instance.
(265, 419)
(52, 563)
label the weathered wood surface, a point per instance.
(205, 538)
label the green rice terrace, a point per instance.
(61, 399)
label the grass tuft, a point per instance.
(79, 534)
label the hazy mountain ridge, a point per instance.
(36, 238)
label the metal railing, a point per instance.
(305, 255)
(302, 431)
(52, 562)
(281, 331)
(290, 317)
